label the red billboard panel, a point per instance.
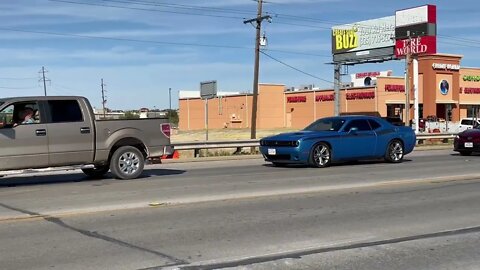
(416, 46)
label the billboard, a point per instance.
(363, 79)
(416, 31)
(416, 46)
(208, 89)
(416, 15)
(363, 36)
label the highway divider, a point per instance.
(239, 144)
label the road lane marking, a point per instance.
(235, 196)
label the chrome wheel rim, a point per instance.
(396, 151)
(321, 155)
(129, 163)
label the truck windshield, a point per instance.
(326, 124)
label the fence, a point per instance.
(239, 144)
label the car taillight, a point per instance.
(166, 130)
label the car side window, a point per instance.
(467, 122)
(63, 111)
(374, 124)
(361, 125)
(20, 113)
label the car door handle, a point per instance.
(41, 132)
(85, 130)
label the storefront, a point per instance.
(446, 91)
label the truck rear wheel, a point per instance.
(127, 162)
(97, 172)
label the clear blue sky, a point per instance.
(36, 33)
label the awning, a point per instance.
(446, 102)
(470, 103)
(401, 102)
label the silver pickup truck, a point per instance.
(40, 132)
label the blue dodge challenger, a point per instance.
(340, 138)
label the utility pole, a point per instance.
(44, 80)
(336, 88)
(407, 80)
(104, 101)
(170, 97)
(258, 25)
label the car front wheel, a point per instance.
(321, 155)
(394, 152)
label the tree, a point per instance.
(130, 115)
(172, 117)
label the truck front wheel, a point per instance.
(127, 162)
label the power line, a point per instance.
(235, 11)
(299, 53)
(26, 78)
(9, 87)
(145, 9)
(122, 39)
(294, 68)
(183, 6)
(148, 41)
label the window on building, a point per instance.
(65, 111)
(472, 111)
(395, 110)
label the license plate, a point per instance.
(468, 144)
(272, 152)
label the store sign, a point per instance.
(394, 88)
(364, 35)
(419, 45)
(360, 95)
(469, 78)
(453, 67)
(444, 87)
(367, 74)
(470, 90)
(327, 97)
(297, 99)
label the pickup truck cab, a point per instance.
(468, 123)
(55, 131)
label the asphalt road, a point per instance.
(420, 214)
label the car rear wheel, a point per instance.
(394, 152)
(465, 153)
(127, 162)
(97, 172)
(321, 155)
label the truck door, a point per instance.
(71, 136)
(22, 145)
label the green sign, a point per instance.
(469, 78)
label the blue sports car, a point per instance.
(340, 138)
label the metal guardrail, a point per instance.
(239, 144)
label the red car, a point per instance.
(467, 141)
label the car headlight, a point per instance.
(457, 137)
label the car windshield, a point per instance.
(326, 124)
